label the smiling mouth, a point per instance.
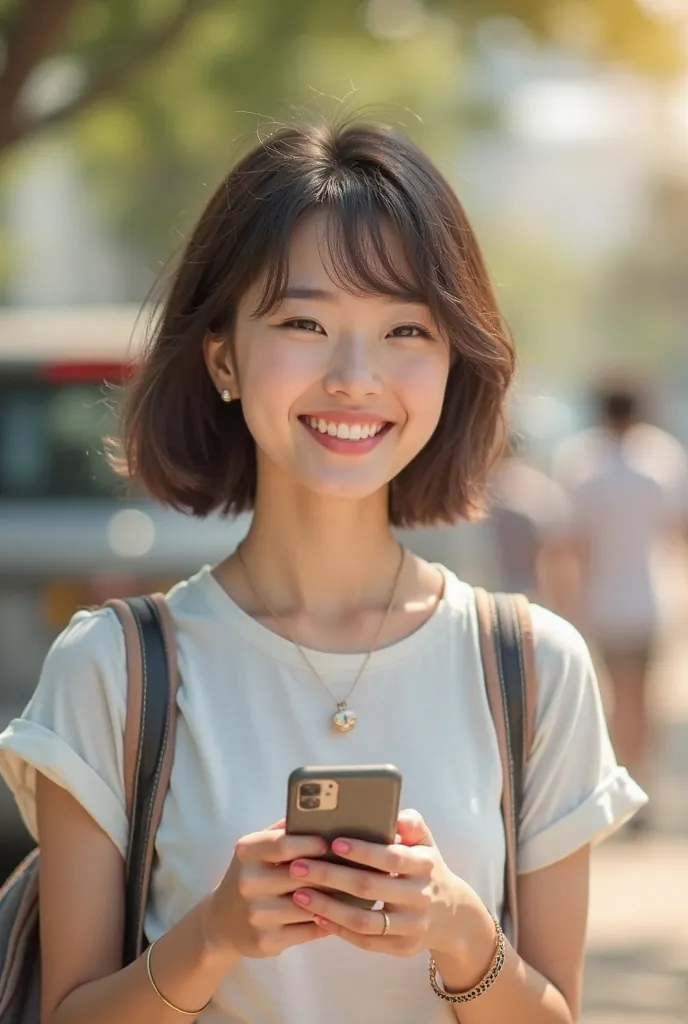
(352, 432)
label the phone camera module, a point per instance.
(310, 789)
(309, 803)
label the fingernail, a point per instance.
(323, 923)
(341, 846)
(302, 898)
(299, 869)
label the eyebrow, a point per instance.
(324, 295)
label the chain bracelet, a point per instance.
(491, 975)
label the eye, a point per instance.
(303, 324)
(410, 331)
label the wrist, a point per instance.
(464, 963)
(214, 948)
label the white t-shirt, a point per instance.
(625, 494)
(250, 712)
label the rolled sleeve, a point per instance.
(72, 729)
(575, 792)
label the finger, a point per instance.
(412, 829)
(355, 919)
(368, 885)
(260, 880)
(280, 825)
(398, 859)
(395, 945)
(269, 915)
(297, 934)
(274, 846)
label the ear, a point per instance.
(217, 353)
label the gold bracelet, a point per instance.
(178, 1009)
(487, 981)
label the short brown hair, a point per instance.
(194, 453)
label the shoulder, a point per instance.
(94, 636)
(94, 639)
(564, 667)
(195, 597)
(88, 655)
(658, 453)
(555, 638)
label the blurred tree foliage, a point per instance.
(158, 95)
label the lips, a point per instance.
(346, 438)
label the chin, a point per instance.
(344, 490)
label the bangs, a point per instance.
(369, 245)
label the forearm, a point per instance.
(519, 994)
(186, 970)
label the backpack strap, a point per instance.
(508, 656)
(152, 681)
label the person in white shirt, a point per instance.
(626, 482)
(330, 356)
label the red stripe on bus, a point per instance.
(68, 372)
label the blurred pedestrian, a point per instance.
(626, 482)
(528, 520)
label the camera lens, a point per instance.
(310, 803)
(310, 789)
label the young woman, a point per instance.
(330, 355)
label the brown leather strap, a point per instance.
(496, 692)
(522, 607)
(132, 726)
(146, 675)
(168, 757)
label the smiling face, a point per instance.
(340, 391)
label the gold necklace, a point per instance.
(344, 719)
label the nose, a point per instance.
(352, 371)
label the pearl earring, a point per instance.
(226, 395)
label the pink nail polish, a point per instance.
(341, 846)
(302, 898)
(299, 869)
(323, 923)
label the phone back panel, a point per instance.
(367, 805)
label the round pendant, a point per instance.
(344, 719)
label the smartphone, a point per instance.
(352, 801)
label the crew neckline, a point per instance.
(453, 599)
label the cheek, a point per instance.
(273, 376)
(421, 385)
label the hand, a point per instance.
(428, 906)
(251, 912)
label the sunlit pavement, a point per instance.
(637, 970)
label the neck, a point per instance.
(308, 553)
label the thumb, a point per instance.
(277, 826)
(412, 829)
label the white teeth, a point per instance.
(345, 431)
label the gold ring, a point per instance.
(385, 926)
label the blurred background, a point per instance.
(563, 125)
